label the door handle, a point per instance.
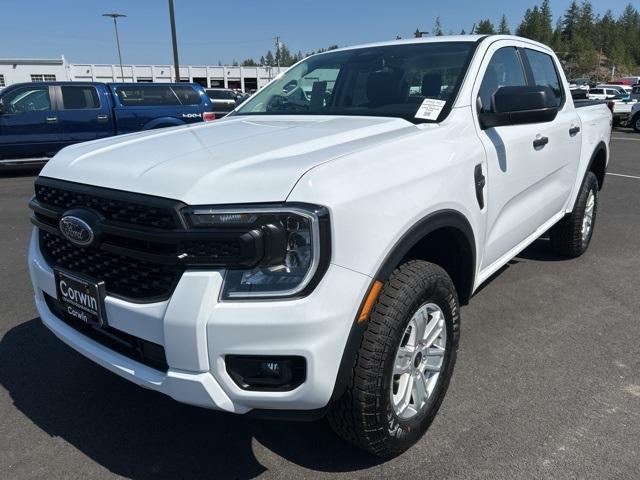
(103, 118)
(540, 142)
(52, 119)
(573, 131)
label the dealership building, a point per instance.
(37, 70)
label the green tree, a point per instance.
(503, 28)
(269, 60)
(437, 28)
(485, 27)
(545, 23)
(570, 22)
(249, 62)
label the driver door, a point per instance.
(29, 124)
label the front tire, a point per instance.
(635, 122)
(571, 235)
(404, 363)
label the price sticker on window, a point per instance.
(430, 109)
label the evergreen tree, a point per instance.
(485, 27)
(503, 28)
(269, 60)
(437, 28)
(570, 21)
(545, 23)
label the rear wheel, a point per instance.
(571, 235)
(404, 363)
(635, 123)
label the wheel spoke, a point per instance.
(421, 321)
(419, 392)
(403, 361)
(405, 398)
(434, 329)
(434, 351)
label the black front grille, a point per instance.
(142, 245)
(143, 351)
(123, 276)
(111, 208)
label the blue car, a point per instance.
(38, 119)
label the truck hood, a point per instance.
(234, 160)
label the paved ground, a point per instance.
(547, 383)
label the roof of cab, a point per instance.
(439, 39)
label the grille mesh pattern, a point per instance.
(228, 250)
(118, 210)
(123, 276)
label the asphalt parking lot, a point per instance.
(547, 383)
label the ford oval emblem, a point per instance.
(76, 230)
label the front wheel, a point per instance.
(404, 363)
(635, 123)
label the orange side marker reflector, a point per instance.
(368, 304)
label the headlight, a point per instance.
(296, 247)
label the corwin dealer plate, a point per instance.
(81, 298)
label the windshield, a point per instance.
(417, 82)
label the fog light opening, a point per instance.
(266, 373)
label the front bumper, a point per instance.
(197, 331)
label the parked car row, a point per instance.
(39, 119)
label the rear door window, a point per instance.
(545, 73)
(146, 96)
(79, 97)
(187, 95)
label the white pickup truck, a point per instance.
(308, 254)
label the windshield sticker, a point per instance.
(430, 109)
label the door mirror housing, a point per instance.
(520, 105)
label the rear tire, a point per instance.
(635, 123)
(378, 411)
(571, 235)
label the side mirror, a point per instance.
(519, 106)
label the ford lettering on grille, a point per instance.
(76, 230)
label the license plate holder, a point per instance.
(81, 297)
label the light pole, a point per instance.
(172, 19)
(115, 16)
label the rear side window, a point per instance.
(187, 95)
(146, 96)
(596, 91)
(221, 94)
(545, 73)
(504, 70)
(80, 98)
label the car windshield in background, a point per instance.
(417, 82)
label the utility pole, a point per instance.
(115, 16)
(172, 19)
(278, 53)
